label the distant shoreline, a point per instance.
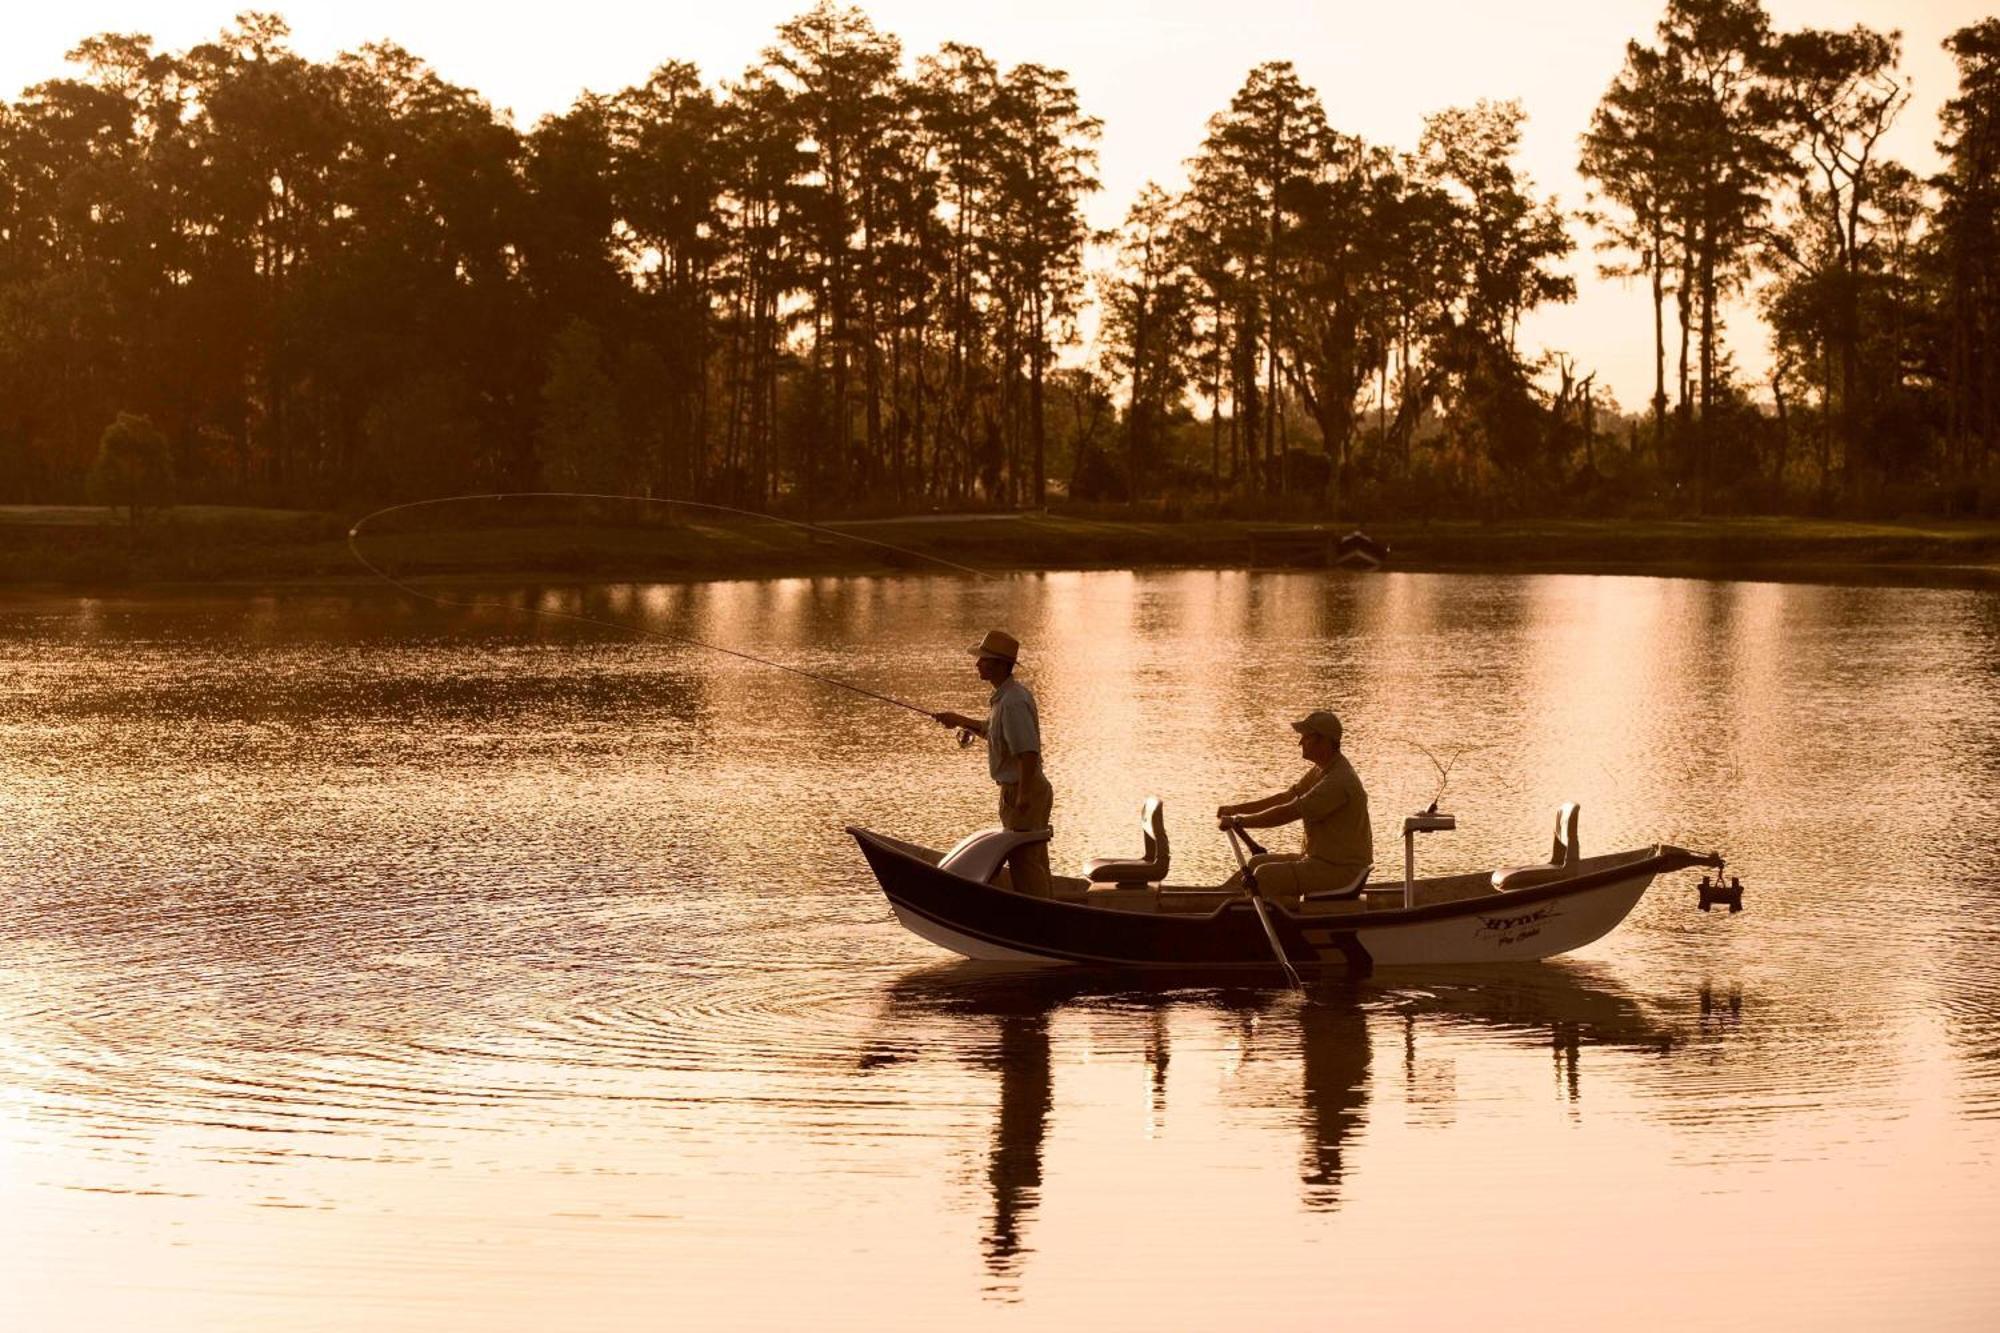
(78, 550)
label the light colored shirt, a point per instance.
(1335, 810)
(1013, 728)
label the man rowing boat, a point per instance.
(1330, 801)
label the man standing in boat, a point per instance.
(1013, 733)
(1331, 802)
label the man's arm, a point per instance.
(1319, 800)
(1281, 809)
(1031, 766)
(960, 720)
(1252, 807)
(1226, 813)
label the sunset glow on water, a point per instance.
(371, 965)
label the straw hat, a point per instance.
(998, 643)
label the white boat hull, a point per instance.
(965, 946)
(1507, 933)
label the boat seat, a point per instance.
(979, 856)
(1352, 889)
(1149, 869)
(1563, 857)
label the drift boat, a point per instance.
(1122, 913)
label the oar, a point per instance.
(1257, 901)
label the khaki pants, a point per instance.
(1023, 812)
(1292, 875)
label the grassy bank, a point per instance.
(82, 547)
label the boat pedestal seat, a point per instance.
(1354, 888)
(1130, 872)
(1560, 865)
(1107, 870)
(1107, 897)
(1527, 877)
(979, 856)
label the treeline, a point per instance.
(846, 280)
(1728, 152)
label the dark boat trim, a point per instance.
(1229, 935)
(1039, 950)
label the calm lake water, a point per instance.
(368, 964)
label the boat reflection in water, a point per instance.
(1003, 1018)
(1021, 1058)
(1333, 1079)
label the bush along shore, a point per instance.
(79, 547)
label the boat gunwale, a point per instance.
(1661, 858)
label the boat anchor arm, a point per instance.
(1716, 892)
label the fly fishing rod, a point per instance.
(668, 636)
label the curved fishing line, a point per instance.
(668, 636)
(803, 526)
(1443, 768)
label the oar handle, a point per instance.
(1263, 912)
(1236, 827)
(1234, 831)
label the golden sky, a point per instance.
(1153, 70)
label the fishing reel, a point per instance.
(1718, 894)
(965, 734)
